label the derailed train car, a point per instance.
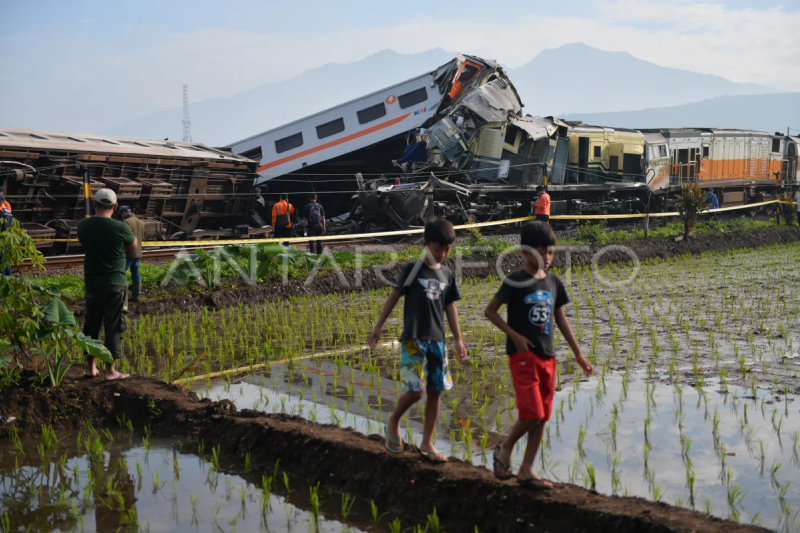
(455, 140)
(180, 190)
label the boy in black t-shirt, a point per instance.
(430, 291)
(535, 300)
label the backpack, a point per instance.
(315, 214)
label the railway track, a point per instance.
(148, 255)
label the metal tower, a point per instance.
(187, 122)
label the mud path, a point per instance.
(341, 460)
(644, 249)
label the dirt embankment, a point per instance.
(643, 249)
(344, 461)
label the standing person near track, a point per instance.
(6, 221)
(314, 223)
(797, 205)
(711, 202)
(541, 206)
(430, 293)
(133, 258)
(535, 299)
(105, 242)
(282, 217)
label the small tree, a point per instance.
(690, 204)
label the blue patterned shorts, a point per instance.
(423, 365)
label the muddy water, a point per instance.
(699, 448)
(132, 484)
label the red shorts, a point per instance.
(534, 380)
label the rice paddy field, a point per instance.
(693, 401)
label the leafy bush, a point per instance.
(34, 321)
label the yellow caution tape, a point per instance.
(206, 243)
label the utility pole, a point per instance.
(187, 122)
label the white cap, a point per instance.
(105, 197)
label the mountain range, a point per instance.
(572, 81)
(762, 112)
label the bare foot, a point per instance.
(116, 376)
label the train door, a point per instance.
(560, 160)
(583, 159)
(683, 164)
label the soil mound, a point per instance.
(341, 460)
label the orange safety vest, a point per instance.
(5, 205)
(282, 208)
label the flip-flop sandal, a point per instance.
(500, 469)
(122, 377)
(535, 484)
(86, 375)
(433, 457)
(388, 439)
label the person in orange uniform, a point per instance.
(5, 207)
(541, 206)
(281, 217)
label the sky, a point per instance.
(86, 66)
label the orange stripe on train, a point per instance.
(336, 142)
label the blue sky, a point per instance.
(89, 65)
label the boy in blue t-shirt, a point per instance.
(430, 293)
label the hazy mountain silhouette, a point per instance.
(572, 78)
(764, 112)
(578, 78)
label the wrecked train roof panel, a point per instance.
(494, 101)
(56, 141)
(538, 128)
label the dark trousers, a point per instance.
(315, 247)
(543, 218)
(284, 232)
(104, 310)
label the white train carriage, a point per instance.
(345, 128)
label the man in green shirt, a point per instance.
(104, 242)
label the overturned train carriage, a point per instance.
(180, 190)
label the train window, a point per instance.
(289, 143)
(511, 136)
(466, 74)
(706, 151)
(412, 98)
(330, 128)
(613, 164)
(663, 150)
(596, 152)
(776, 146)
(371, 113)
(253, 153)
